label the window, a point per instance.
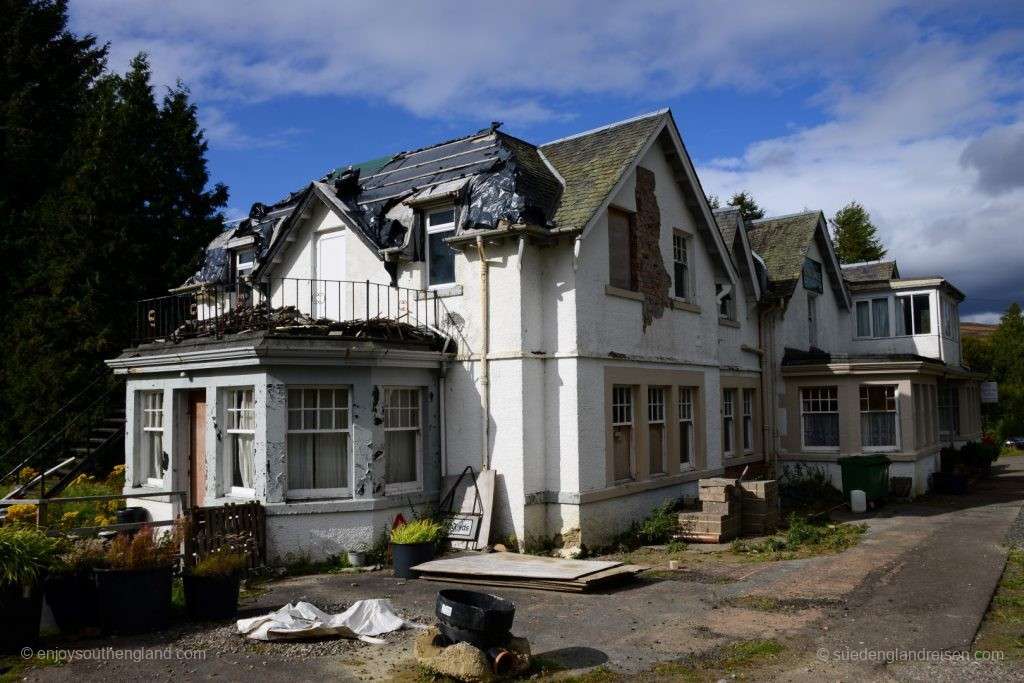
(622, 432)
(241, 430)
(243, 262)
(620, 250)
(657, 436)
(318, 441)
(812, 276)
(748, 420)
(151, 458)
(819, 414)
(949, 408)
(873, 318)
(878, 418)
(440, 256)
(686, 433)
(402, 442)
(812, 320)
(913, 314)
(950, 320)
(724, 295)
(681, 267)
(728, 421)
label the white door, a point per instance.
(332, 294)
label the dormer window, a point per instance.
(245, 260)
(440, 257)
(913, 314)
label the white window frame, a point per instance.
(818, 400)
(681, 262)
(873, 332)
(232, 418)
(950, 318)
(748, 421)
(387, 395)
(151, 409)
(728, 422)
(685, 407)
(656, 415)
(896, 410)
(726, 304)
(434, 230)
(622, 416)
(901, 323)
(333, 492)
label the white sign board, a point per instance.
(990, 392)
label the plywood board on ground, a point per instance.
(514, 565)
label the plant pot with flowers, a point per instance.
(134, 590)
(70, 588)
(413, 544)
(211, 587)
(26, 553)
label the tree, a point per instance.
(117, 214)
(1000, 358)
(855, 236)
(749, 209)
(714, 202)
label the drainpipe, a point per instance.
(485, 377)
(443, 420)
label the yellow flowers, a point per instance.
(21, 513)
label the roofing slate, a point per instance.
(728, 221)
(874, 271)
(783, 243)
(592, 163)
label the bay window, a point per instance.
(318, 441)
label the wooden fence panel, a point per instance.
(239, 526)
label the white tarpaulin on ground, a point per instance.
(363, 620)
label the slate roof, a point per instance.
(728, 223)
(592, 163)
(871, 271)
(783, 243)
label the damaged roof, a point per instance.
(871, 271)
(783, 242)
(591, 164)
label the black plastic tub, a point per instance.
(72, 599)
(133, 600)
(472, 611)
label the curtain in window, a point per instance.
(245, 458)
(317, 461)
(400, 447)
(863, 319)
(878, 429)
(880, 314)
(821, 430)
(154, 453)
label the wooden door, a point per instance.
(196, 447)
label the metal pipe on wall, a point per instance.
(485, 378)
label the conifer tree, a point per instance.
(855, 236)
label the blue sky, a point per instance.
(914, 109)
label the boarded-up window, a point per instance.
(620, 250)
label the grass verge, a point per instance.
(1002, 629)
(804, 537)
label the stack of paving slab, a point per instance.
(721, 516)
(760, 507)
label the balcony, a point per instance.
(299, 306)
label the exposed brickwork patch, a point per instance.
(652, 279)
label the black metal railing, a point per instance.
(88, 423)
(277, 303)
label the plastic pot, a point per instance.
(211, 598)
(133, 600)
(408, 555)
(72, 599)
(21, 610)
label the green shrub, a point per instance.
(808, 487)
(25, 552)
(659, 527)
(419, 531)
(223, 562)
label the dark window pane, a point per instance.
(442, 259)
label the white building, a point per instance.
(571, 316)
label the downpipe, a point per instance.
(485, 376)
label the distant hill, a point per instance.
(977, 330)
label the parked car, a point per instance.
(1016, 442)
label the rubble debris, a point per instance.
(462, 661)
